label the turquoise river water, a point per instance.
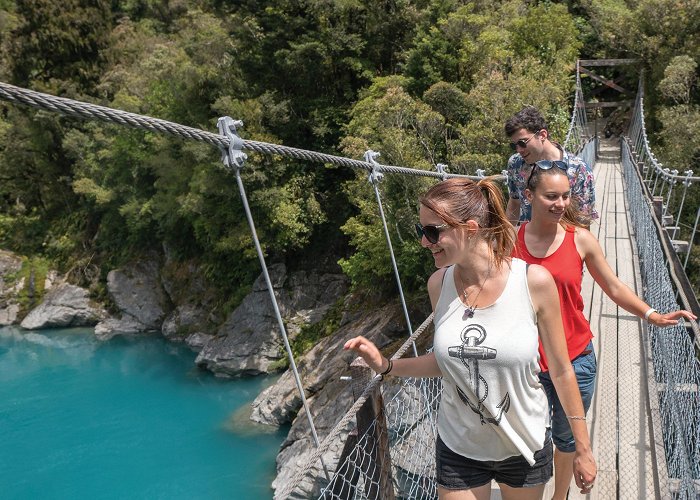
(127, 418)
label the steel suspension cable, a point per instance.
(233, 158)
(85, 110)
(374, 179)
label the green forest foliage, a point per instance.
(421, 81)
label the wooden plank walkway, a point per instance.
(620, 417)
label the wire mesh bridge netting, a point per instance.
(673, 351)
(410, 431)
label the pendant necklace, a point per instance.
(469, 309)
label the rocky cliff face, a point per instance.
(137, 292)
(62, 304)
(150, 295)
(249, 342)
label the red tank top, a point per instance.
(566, 267)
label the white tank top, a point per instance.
(493, 405)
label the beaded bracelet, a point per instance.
(576, 417)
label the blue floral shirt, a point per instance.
(580, 177)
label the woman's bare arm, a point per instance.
(592, 254)
(545, 299)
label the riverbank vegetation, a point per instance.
(421, 81)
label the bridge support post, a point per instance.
(371, 421)
(658, 204)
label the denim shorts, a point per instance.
(585, 368)
(456, 472)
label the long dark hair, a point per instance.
(459, 200)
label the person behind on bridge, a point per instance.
(556, 239)
(491, 311)
(530, 141)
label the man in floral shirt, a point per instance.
(530, 140)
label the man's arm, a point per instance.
(513, 206)
(513, 211)
(583, 189)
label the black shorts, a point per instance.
(455, 472)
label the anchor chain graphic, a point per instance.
(469, 353)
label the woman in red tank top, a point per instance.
(556, 238)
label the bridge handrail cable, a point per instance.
(86, 110)
(651, 166)
(675, 366)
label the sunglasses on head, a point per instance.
(431, 232)
(546, 165)
(522, 143)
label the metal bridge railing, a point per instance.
(677, 190)
(674, 359)
(653, 206)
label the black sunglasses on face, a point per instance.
(431, 232)
(546, 165)
(522, 143)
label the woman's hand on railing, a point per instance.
(369, 352)
(671, 318)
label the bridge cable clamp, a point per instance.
(233, 157)
(480, 172)
(674, 172)
(688, 175)
(375, 176)
(442, 170)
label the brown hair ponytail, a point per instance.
(458, 200)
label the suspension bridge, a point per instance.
(645, 416)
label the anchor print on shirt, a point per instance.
(469, 353)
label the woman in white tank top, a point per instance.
(490, 312)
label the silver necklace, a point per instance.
(469, 308)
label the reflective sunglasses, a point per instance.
(546, 165)
(431, 232)
(523, 142)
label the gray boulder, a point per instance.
(64, 305)
(137, 292)
(278, 403)
(197, 340)
(111, 326)
(249, 341)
